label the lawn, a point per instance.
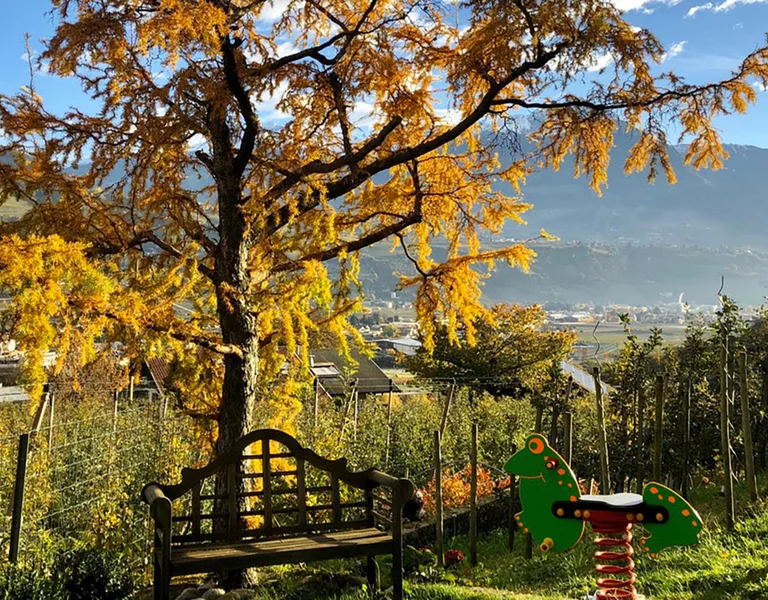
(724, 566)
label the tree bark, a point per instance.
(238, 324)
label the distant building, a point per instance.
(337, 376)
(12, 393)
(152, 379)
(405, 345)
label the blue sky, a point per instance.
(705, 41)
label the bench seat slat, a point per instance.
(187, 540)
(357, 542)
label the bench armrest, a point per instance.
(159, 509)
(382, 478)
(151, 493)
(399, 485)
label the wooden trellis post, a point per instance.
(746, 421)
(356, 409)
(512, 507)
(473, 499)
(686, 438)
(568, 437)
(345, 416)
(605, 478)
(448, 400)
(725, 438)
(315, 402)
(553, 437)
(51, 412)
(389, 422)
(658, 432)
(439, 500)
(115, 406)
(640, 439)
(18, 497)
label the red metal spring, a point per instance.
(612, 588)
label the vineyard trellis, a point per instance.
(85, 471)
(80, 478)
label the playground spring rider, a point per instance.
(554, 513)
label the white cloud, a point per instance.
(273, 10)
(739, 25)
(724, 6)
(599, 63)
(677, 48)
(267, 108)
(362, 115)
(629, 5)
(674, 50)
(286, 48)
(448, 116)
(39, 67)
(197, 141)
(761, 87)
(694, 9)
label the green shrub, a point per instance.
(88, 574)
(20, 583)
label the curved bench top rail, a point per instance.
(190, 477)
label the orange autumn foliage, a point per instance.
(456, 488)
(236, 163)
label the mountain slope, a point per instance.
(709, 208)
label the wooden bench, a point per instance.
(271, 501)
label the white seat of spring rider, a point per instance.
(615, 499)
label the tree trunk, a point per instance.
(237, 321)
(236, 418)
(238, 399)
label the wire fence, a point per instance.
(8, 459)
(85, 468)
(89, 458)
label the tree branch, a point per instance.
(341, 109)
(236, 88)
(316, 167)
(353, 180)
(352, 246)
(160, 243)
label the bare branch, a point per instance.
(353, 180)
(235, 85)
(160, 243)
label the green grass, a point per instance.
(724, 566)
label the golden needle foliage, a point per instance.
(222, 164)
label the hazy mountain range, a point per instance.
(706, 208)
(638, 243)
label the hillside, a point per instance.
(12, 209)
(705, 208)
(638, 243)
(604, 274)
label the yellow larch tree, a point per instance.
(223, 164)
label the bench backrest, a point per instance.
(270, 485)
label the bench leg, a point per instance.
(372, 571)
(397, 573)
(161, 585)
